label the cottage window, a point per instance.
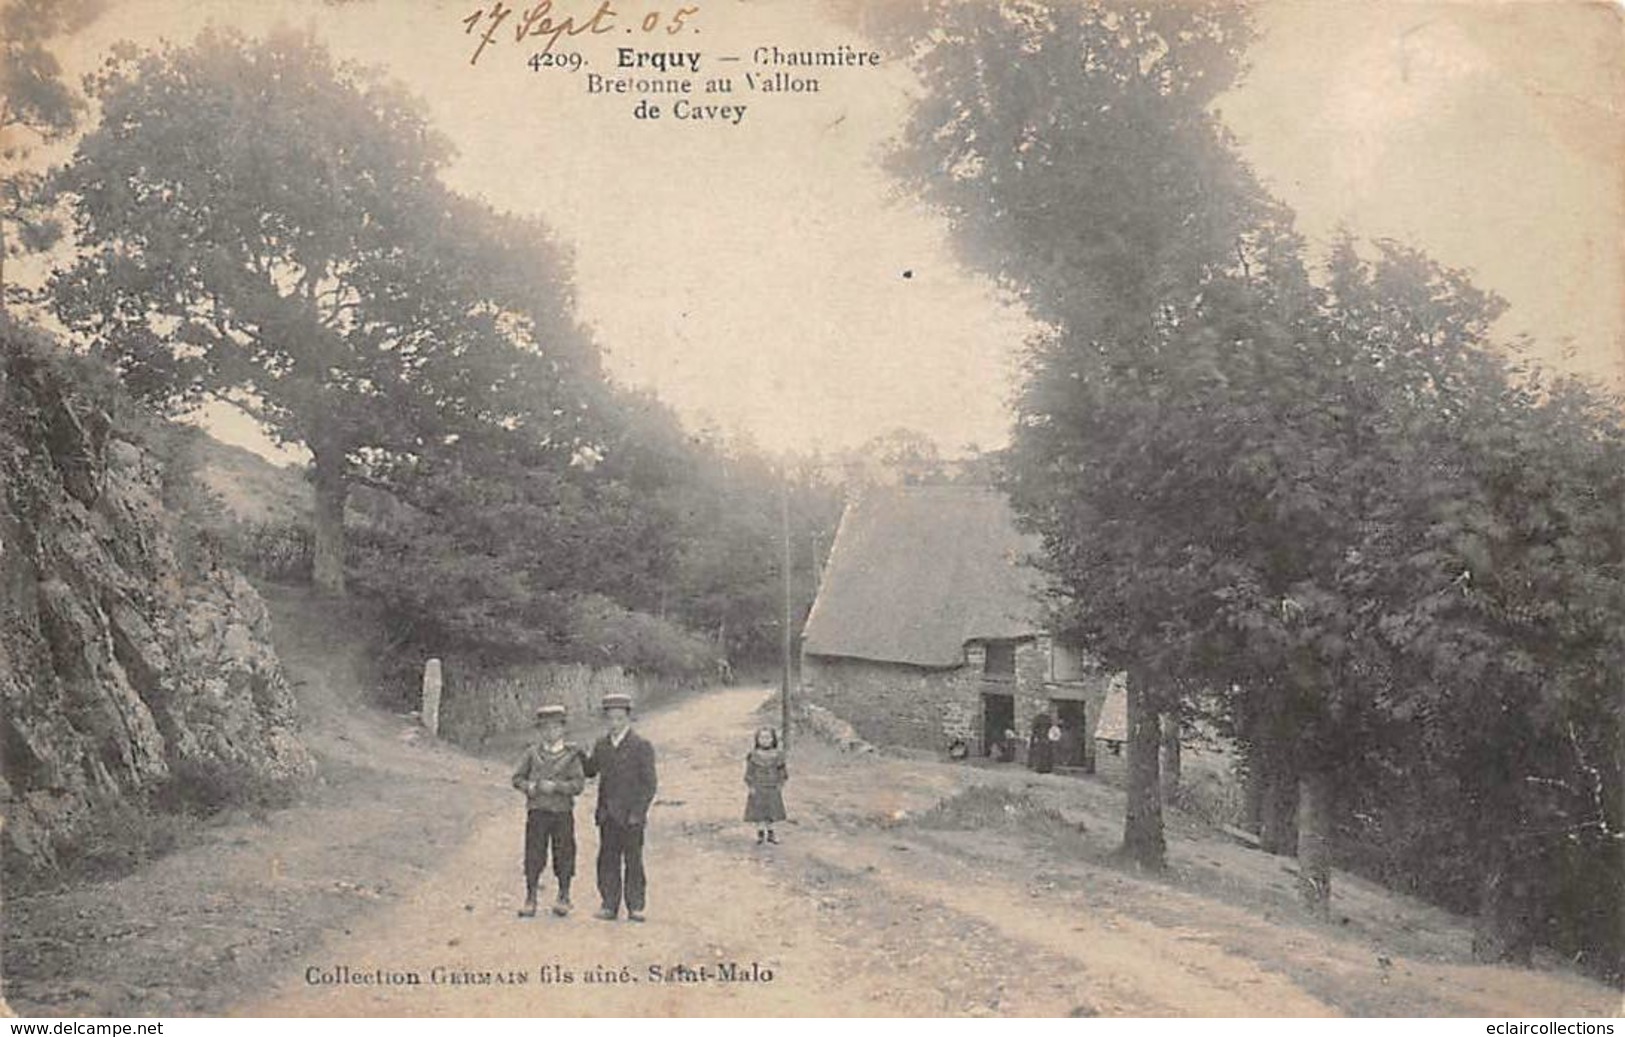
(999, 660)
(1067, 662)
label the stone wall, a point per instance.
(132, 661)
(890, 704)
(894, 704)
(480, 703)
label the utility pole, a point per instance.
(784, 537)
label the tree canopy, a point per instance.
(36, 106)
(260, 224)
(1072, 150)
(1327, 496)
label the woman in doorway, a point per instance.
(1040, 747)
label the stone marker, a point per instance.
(431, 696)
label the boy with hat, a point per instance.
(625, 766)
(550, 776)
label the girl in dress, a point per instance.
(765, 775)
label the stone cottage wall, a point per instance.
(1032, 670)
(887, 703)
(894, 704)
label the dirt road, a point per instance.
(855, 914)
(904, 886)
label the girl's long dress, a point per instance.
(765, 773)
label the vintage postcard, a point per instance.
(925, 508)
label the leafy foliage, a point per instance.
(500, 555)
(36, 106)
(1393, 556)
(262, 225)
(1072, 150)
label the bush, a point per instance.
(202, 788)
(121, 836)
(115, 837)
(983, 807)
(601, 633)
(442, 600)
(281, 552)
(1213, 796)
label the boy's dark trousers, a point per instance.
(618, 843)
(550, 826)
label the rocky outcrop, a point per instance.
(133, 664)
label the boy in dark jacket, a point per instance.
(624, 764)
(550, 776)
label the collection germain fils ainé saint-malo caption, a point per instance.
(553, 974)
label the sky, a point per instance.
(767, 280)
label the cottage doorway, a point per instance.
(998, 716)
(1073, 718)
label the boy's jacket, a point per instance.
(562, 767)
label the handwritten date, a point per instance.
(542, 20)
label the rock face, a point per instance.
(133, 663)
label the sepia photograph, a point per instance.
(813, 508)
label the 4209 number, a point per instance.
(569, 62)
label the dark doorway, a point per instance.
(1073, 718)
(998, 716)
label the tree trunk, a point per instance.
(1089, 741)
(1142, 821)
(1272, 798)
(1253, 790)
(327, 568)
(1280, 832)
(1503, 930)
(1315, 814)
(1170, 756)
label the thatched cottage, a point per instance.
(928, 628)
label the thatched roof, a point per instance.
(917, 571)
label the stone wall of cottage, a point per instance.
(887, 703)
(1032, 670)
(892, 704)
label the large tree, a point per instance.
(1503, 613)
(263, 225)
(1389, 553)
(1073, 150)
